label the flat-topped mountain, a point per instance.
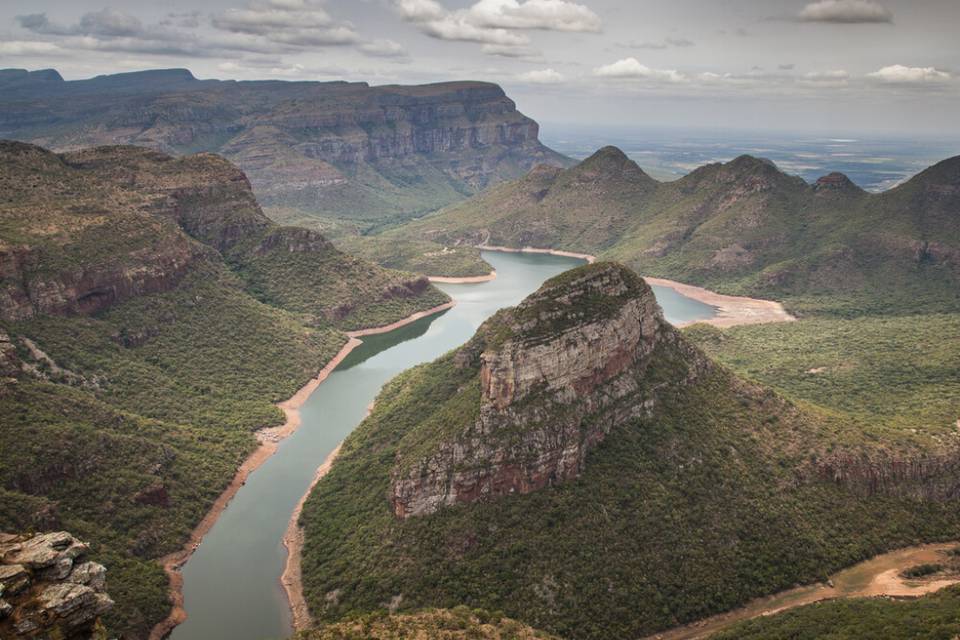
(150, 317)
(570, 362)
(327, 149)
(583, 468)
(741, 227)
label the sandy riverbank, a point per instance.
(552, 252)
(359, 333)
(731, 310)
(879, 576)
(269, 440)
(293, 539)
(463, 280)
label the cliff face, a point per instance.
(933, 476)
(100, 226)
(48, 587)
(557, 373)
(89, 229)
(330, 148)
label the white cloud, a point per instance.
(383, 49)
(845, 12)
(420, 10)
(458, 27)
(496, 22)
(542, 76)
(28, 48)
(553, 15)
(900, 74)
(632, 68)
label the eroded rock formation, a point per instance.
(48, 588)
(587, 352)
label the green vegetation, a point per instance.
(459, 623)
(933, 617)
(922, 570)
(897, 378)
(131, 456)
(158, 316)
(741, 228)
(700, 506)
(344, 291)
(419, 256)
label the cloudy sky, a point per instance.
(827, 65)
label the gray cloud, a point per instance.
(666, 43)
(845, 12)
(298, 23)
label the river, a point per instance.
(232, 582)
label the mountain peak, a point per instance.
(942, 177)
(835, 181)
(551, 378)
(610, 161)
(748, 162)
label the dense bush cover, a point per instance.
(933, 617)
(685, 514)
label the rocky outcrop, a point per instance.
(48, 588)
(932, 476)
(293, 240)
(836, 182)
(29, 289)
(586, 353)
(9, 361)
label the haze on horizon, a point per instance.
(889, 66)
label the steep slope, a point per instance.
(150, 317)
(311, 149)
(743, 227)
(583, 468)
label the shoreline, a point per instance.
(293, 539)
(463, 279)
(732, 311)
(359, 333)
(553, 252)
(269, 439)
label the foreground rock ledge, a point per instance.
(48, 588)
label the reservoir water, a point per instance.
(232, 582)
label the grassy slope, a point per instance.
(176, 412)
(690, 512)
(162, 393)
(740, 228)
